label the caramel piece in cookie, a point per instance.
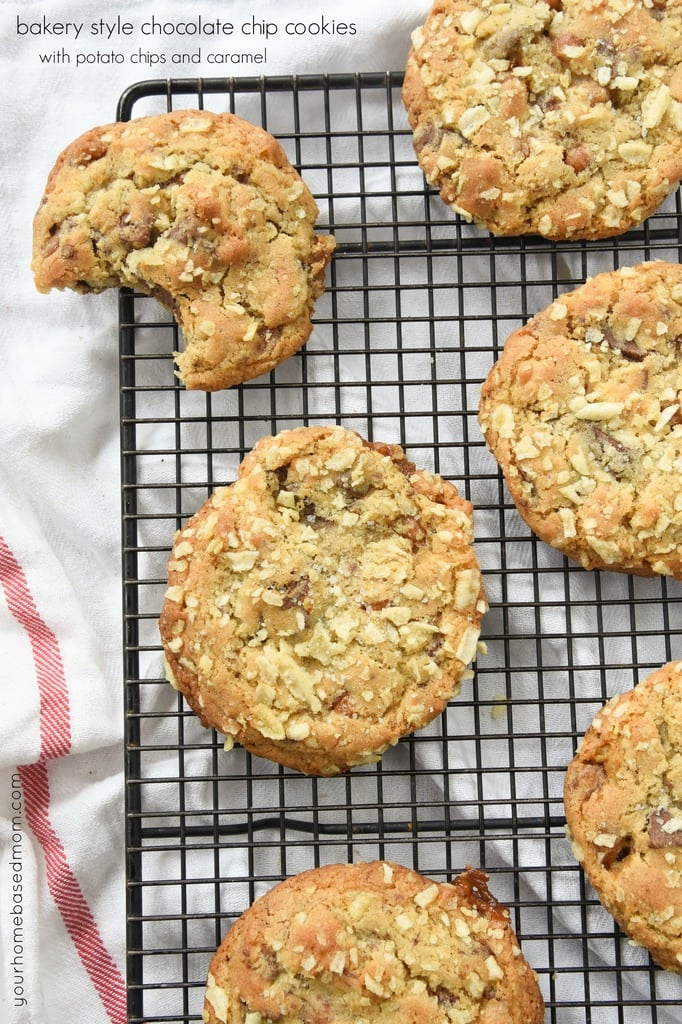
(373, 943)
(623, 798)
(562, 119)
(326, 603)
(202, 211)
(582, 412)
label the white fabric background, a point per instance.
(59, 465)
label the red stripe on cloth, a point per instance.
(67, 894)
(55, 722)
(55, 741)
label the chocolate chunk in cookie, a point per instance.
(205, 213)
(326, 603)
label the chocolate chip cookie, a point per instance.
(623, 798)
(204, 212)
(364, 943)
(582, 412)
(326, 603)
(561, 118)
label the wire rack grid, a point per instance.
(417, 307)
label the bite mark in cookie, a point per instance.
(203, 212)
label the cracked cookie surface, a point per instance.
(370, 943)
(205, 213)
(623, 799)
(562, 119)
(582, 412)
(324, 604)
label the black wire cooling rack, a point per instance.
(417, 307)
